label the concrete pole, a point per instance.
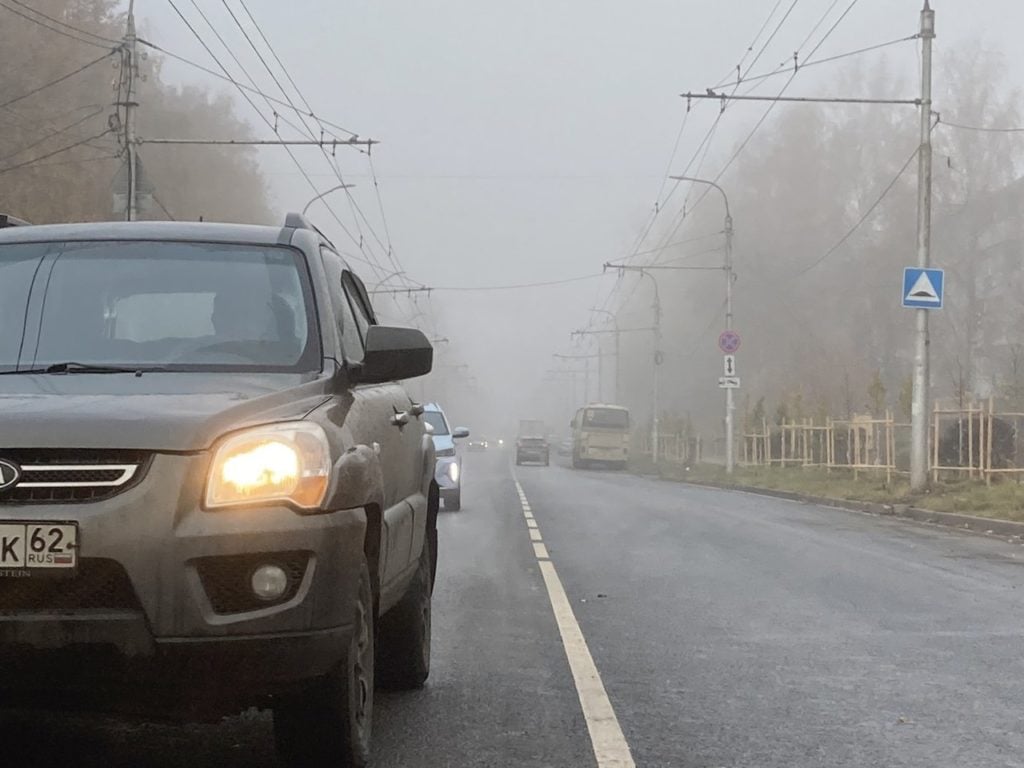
(730, 453)
(131, 47)
(657, 365)
(919, 403)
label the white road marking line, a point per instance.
(610, 747)
(606, 737)
(528, 515)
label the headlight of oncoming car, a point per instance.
(288, 462)
(445, 452)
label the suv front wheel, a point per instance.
(404, 641)
(329, 724)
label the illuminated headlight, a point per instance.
(453, 471)
(288, 462)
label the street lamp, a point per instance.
(729, 405)
(324, 194)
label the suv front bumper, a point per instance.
(162, 593)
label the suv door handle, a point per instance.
(400, 419)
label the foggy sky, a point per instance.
(526, 141)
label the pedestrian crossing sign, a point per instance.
(922, 288)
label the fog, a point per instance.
(527, 143)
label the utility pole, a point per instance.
(919, 401)
(730, 407)
(656, 357)
(618, 366)
(131, 73)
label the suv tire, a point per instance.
(329, 723)
(453, 500)
(403, 645)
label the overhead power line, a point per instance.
(678, 242)
(785, 68)
(245, 94)
(64, 24)
(327, 143)
(50, 135)
(56, 81)
(866, 215)
(54, 29)
(55, 152)
(724, 97)
(685, 212)
(241, 86)
(783, 65)
(163, 208)
(331, 160)
(774, 101)
(473, 288)
(750, 48)
(980, 128)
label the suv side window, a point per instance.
(351, 334)
(356, 294)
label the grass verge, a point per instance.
(1003, 499)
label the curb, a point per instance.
(969, 523)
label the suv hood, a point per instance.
(153, 412)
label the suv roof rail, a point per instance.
(297, 221)
(6, 220)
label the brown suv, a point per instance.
(212, 493)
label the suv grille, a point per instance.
(50, 476)
(98, 585)
(227, 580)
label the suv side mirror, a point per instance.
(460, 432)
(393, 354)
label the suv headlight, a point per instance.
(288, 462)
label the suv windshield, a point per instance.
(436, 420)
(167, 305)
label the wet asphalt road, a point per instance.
(729, 630)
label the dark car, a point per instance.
(212, 493)
(533, 449)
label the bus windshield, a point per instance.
(606, 418)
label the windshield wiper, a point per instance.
(72, 367)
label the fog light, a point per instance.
(269, 582)
(453, 472)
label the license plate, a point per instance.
(38, 549)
